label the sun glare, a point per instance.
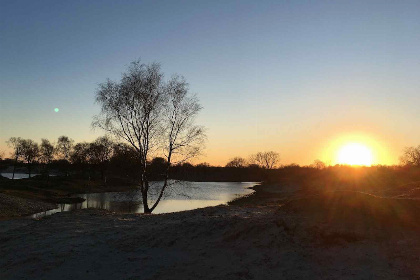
(355, 154)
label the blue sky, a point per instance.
(289, 76)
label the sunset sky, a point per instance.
(303, 78)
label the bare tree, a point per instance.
(46, 154)
(80, 153)
(80, 157)
(237, 162)
(100, 152)
(64, 148)
(154, 116)
(16, 144)
(266, 160)
(182, 139)
(30, 153)
(125, 161)
(318, 164)
(411, 156)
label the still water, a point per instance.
(180, 196)
(17, 175)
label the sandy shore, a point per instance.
(12, 206)
(272, 240)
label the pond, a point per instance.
(180, 196)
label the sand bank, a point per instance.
(273, 240)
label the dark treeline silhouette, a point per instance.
(104, 158)
(314, 177)
(63, 158)
(204, 172)
(344, 177)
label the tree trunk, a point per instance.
(47, 167)
(14, 168)
(29, 169)
(160, 195)
(103, 174)
(144, 187)
(145, 203)
(165, 184)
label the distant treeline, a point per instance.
(104, 159)
(345, 177)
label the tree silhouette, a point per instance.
(237, 162)
(16, 144)
(411, 156)
(266, 160)
(64, 149)
(125, 161)
(80, 157)
(46, 154)
(80, 153)
(157, 167)
(30, 153)
(153, 116)
(318, 164)
(100, 152)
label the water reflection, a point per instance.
(180, 196)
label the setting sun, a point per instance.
(355, 154)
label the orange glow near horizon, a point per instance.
(219, 151)
(357, 149)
